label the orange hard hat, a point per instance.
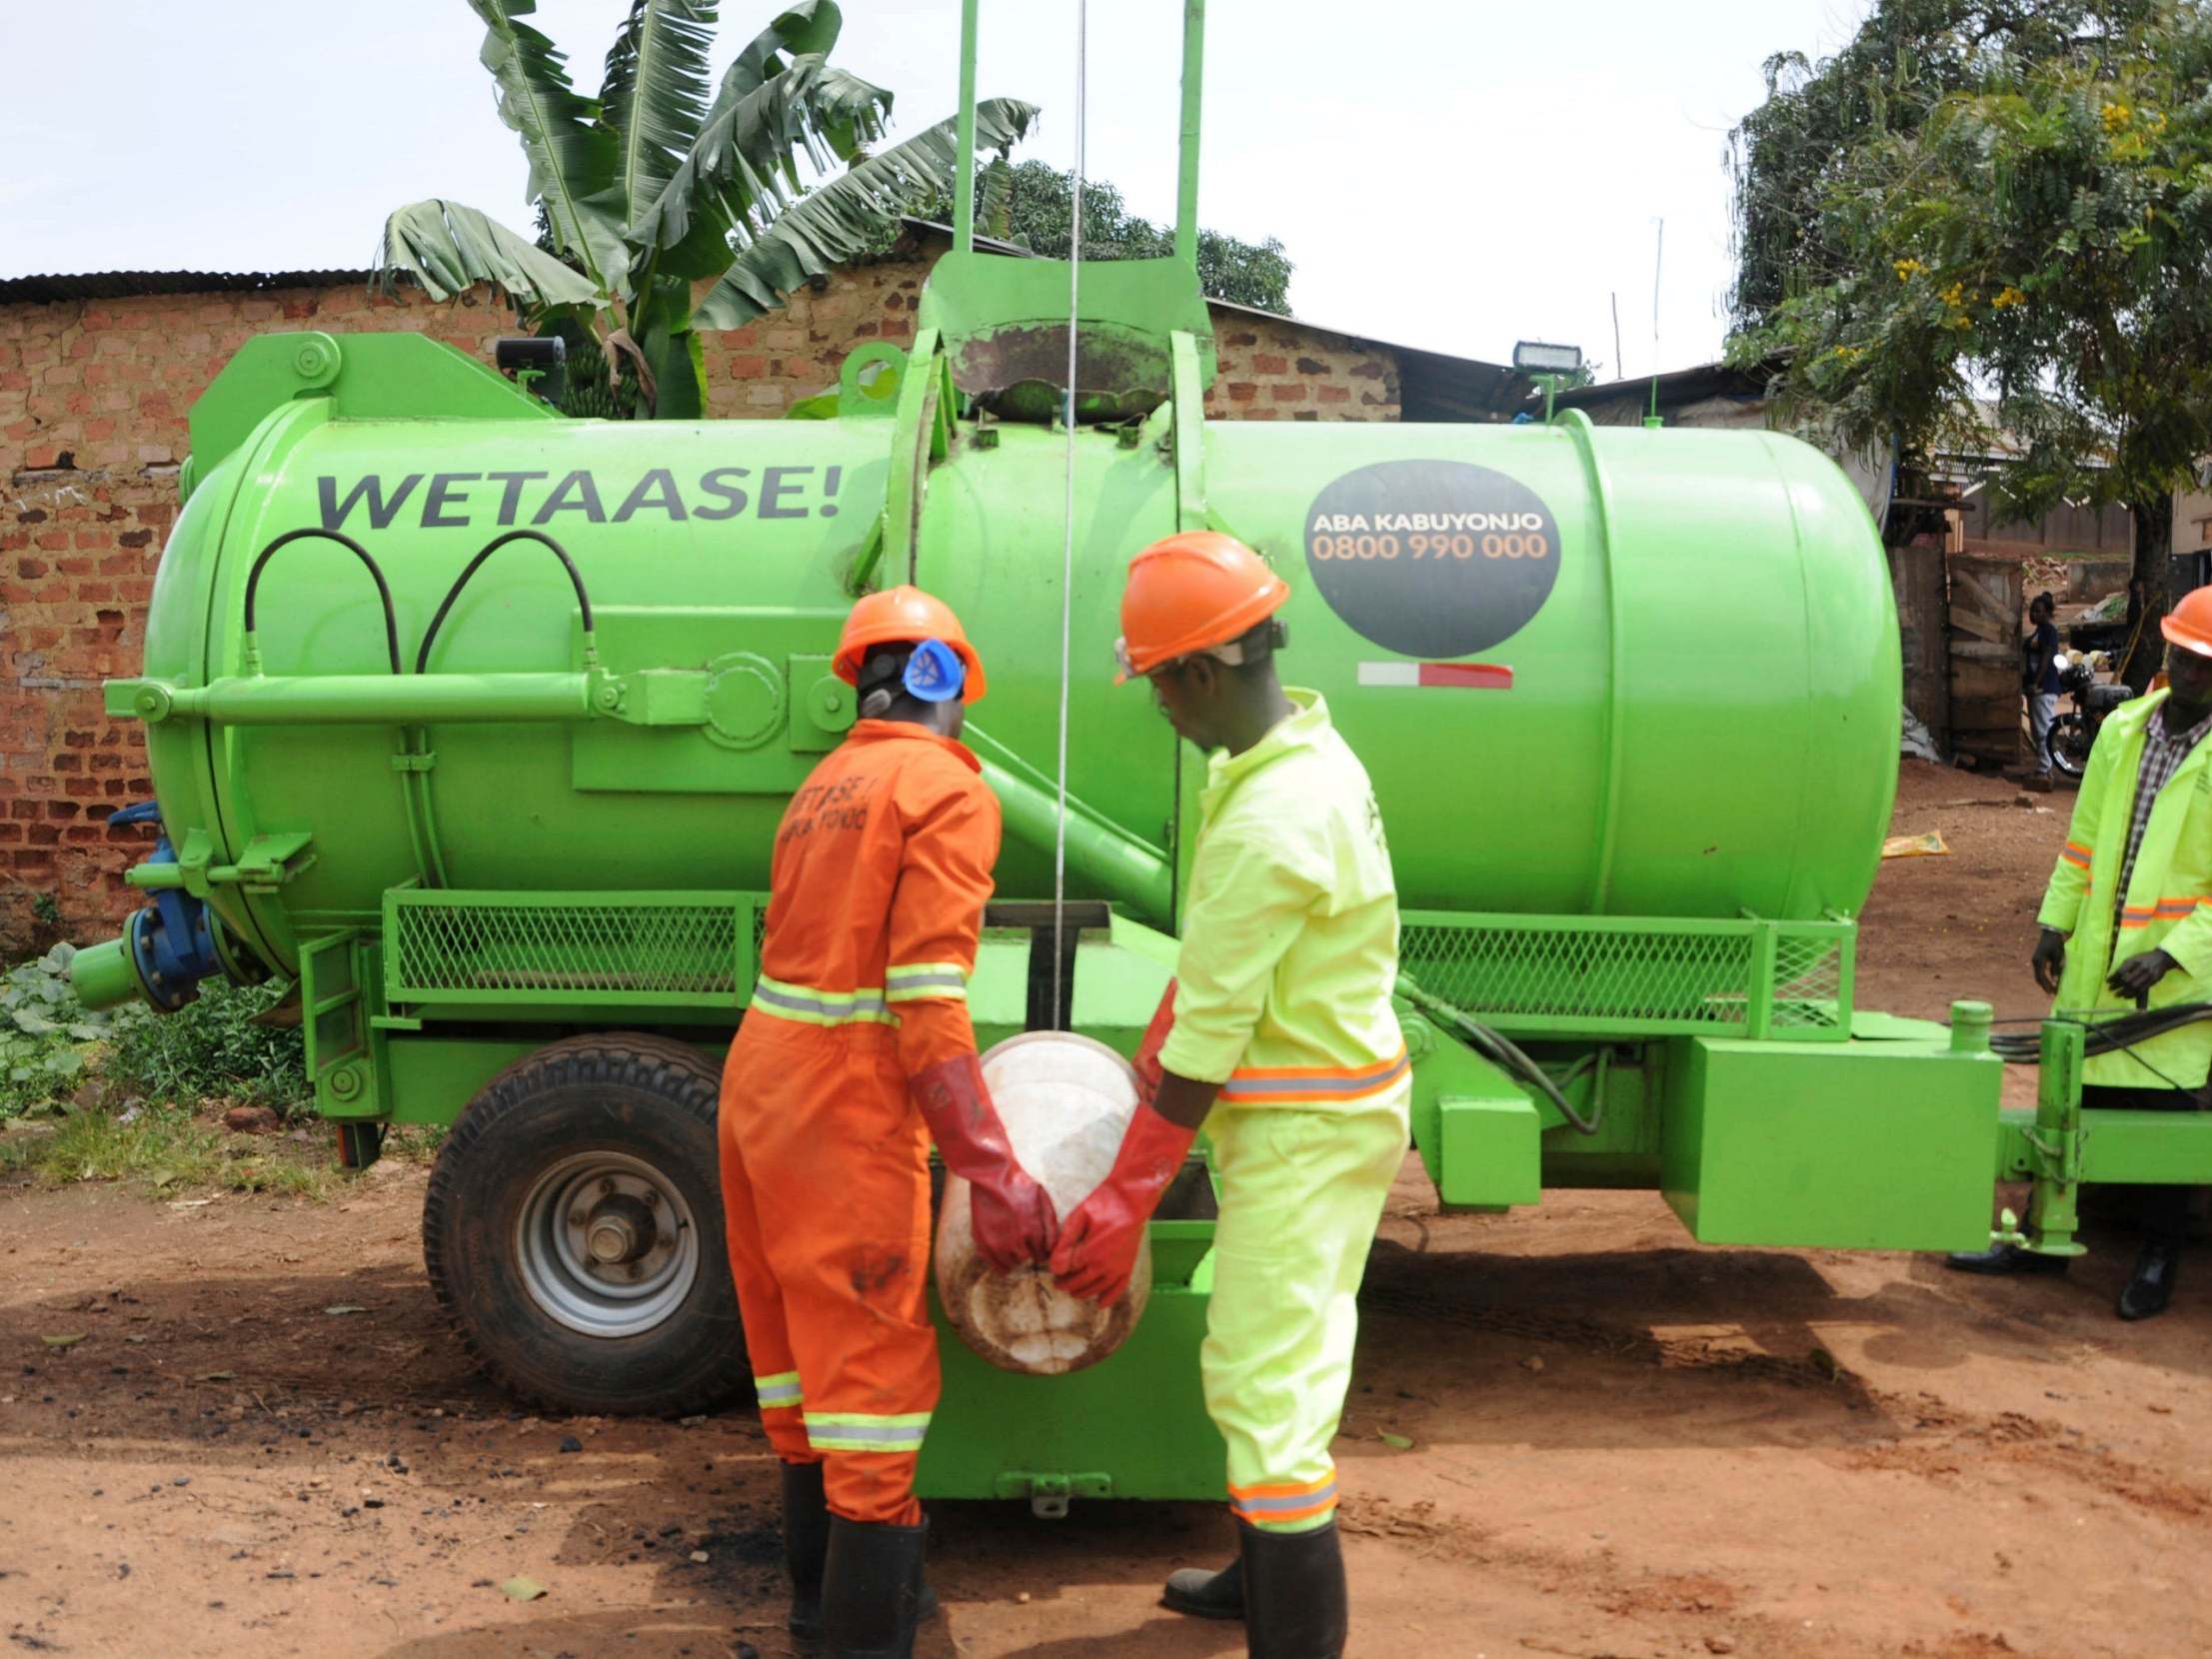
(904, 616)
(2189, 624)
(1188, 593)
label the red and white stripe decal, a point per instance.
(1472, 676)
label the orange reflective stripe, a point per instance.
(2076, 853)
(1289, 1501)
(1274, 1083)
(1310, 1512)
(2165, 910)
(1284, 1489)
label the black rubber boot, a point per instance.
(872, 1589)
(1206, 1595)
(2151, 1287)
(2004, 1260)
(806, 1546)
(1295, 1597)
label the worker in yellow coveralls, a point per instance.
(1280, 1037)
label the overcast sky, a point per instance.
(1451, 174)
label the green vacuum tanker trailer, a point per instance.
(476, 724)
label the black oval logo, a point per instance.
(1432, 557)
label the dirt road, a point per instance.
(1623, 1444)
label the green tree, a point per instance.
(655, 186)
(1033, 205)
(1989, 230)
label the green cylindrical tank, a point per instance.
(1590, 670)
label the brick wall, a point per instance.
(93, 400)
(1276, 370)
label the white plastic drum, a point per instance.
(1065, 1102)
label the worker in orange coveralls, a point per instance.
(856, 1052)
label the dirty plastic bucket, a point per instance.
(1065, 1101)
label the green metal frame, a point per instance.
(1860, 1145)
(1134, 1425)
(2062, 1145)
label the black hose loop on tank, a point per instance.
(452, 594)
(384, 589)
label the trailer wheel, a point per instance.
(573, 1230)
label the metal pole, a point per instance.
(378, 700)
(963, 186)
(1067, 527)
(1194, 96)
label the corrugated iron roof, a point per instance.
(118, 285)
(1678, 386)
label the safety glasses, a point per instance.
(1232, 653)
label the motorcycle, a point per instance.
(2072, 734)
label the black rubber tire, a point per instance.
(650, 1096)
(2066, 743)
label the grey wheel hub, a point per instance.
(606, 1244)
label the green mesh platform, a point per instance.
(1573, 976)
(663, 950)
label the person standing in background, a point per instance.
(2039, 682)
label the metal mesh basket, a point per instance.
(1808, 982)
(668, 949)
(1606, 975)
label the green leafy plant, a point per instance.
(209, 1049)
(657, 185)
(46, 1034)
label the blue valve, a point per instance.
(172, 941)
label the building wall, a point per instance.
(2192, 521)
(93, 403)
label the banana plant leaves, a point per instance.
(449, 247)
(843, 217)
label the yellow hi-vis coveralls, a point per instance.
(2167, 907)
(1290, 953)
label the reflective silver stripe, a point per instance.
(1366, 1084)
(1288, 1505)
(829, 1008)
(906, 987)
(780, 1390)
(867, 1436)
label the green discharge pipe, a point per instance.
(1126, 870)
(103, 975)
(1128, 873)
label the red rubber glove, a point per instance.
(1098, 1244)
(1147, 1062)
(1012, 1217)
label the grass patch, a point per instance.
(415, 1142)
(169, 1153)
